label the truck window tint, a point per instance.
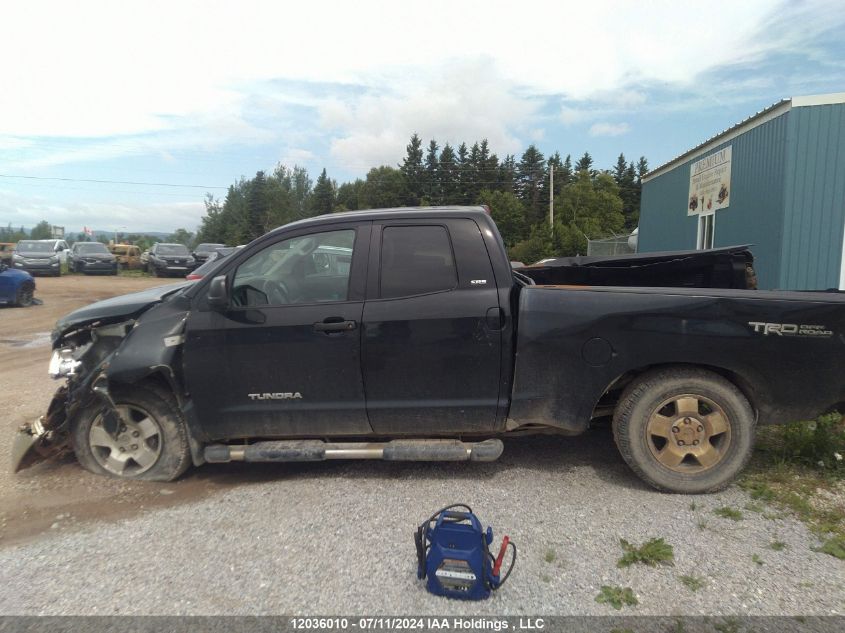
(416, 260)
(307, 269)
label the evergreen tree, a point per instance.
(324, 194)
(465, 176)
(530, 181)
(448, 176)
(619, 169)
(585, 163)
(488, 167)
(412, 167)
(565, 172)
(507, 174)
(258, 207)
(432, 173)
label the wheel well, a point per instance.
(614, 389)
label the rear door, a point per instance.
(432, 338)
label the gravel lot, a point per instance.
(335, 537)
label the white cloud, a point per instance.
(464, 101)
(102, 68)
(609, 129)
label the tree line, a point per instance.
(589, 202)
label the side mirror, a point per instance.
(218, 294)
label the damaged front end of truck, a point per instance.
(117, 341)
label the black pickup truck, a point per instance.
(405, 335)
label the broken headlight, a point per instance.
(62, 363)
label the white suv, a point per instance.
(60, 248)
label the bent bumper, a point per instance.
(33, 444)
(43, 439)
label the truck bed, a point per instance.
(577, 345)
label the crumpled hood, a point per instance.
(124, 306)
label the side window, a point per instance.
(416, 260)
(307, 269)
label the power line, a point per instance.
(114, 182)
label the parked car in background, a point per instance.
(128, 256)
(6, 250)
(91, 257)
(145, 259)
(211, 262)
(170, 259)
(17, 287)
(37, 257)
(204, 251)
(60, 248)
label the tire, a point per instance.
(154, 447)
(684, 430)
(23, 298)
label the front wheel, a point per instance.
(24, 296)
(684, 430)
(148, 441)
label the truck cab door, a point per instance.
(432, 340)
(286, 353)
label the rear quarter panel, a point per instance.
(573, 343)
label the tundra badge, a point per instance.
(287, 395)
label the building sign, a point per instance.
(710, 183)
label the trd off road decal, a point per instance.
(790, 329)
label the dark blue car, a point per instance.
(16, 286)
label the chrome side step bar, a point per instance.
(395, 451)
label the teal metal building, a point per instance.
(775, 180)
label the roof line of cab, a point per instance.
(383, 214)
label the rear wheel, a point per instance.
(684, 430)
(149, 441)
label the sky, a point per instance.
(123, 115)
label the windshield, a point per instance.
(209, 247)
(171, 249)
(91, 248)
(35, 247)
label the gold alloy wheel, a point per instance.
(688, 433)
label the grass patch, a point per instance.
(728, 513)
(792, 464)
(617, 597)
(692, 506)
(545, 578)
(777, 546)
(756, 558)
(835, 546)
(650, 553)
(132, 273)
(550, 556)
(693, 583)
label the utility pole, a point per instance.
(552, 196)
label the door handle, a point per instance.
(495, 318)
(335, 324)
